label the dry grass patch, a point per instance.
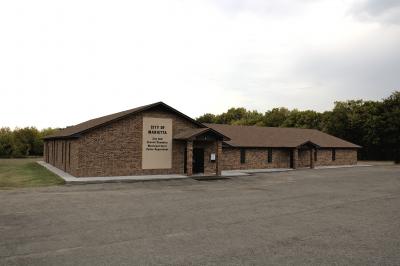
(26, 173)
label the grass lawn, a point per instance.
(25, 173)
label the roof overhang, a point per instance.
(75, 136)
(308, 143)
(192, 134)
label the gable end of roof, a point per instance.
(79, 129)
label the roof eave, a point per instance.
(60, 137)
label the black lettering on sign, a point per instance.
(157, 143)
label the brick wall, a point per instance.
(116, 149)
(304, 158)
(343, 157)
(256, 158)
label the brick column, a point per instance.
(189, 158)
(218, 158)
(295, 157)
(311, 158)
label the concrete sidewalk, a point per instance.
(70, 179)
(245, 172)
(342, 166)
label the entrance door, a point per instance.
(198, 160)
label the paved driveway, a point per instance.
(330, 216)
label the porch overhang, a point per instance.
(200, 134)
(308, 144)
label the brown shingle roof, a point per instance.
(74, 131)
(255, 136)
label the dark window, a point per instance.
(53, 154)
(62, 152)
(54, 151)
(242, 156)
(185, 161)
(269, 155)
(69, 153)
(333, 154)
(47, 152)
(315, 155)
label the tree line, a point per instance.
(22, 142)
(374, 125)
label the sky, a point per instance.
(64, 62)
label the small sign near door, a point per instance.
(212, 157)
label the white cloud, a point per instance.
(383, 11)
(64, 62)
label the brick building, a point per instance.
(157, 139)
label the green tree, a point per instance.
(6, 142)
(303, 119)
(22, 142)
(390, 129)
(206, 118)
(359, 122)
(276, 117)
(27, 141)
(250, 118)
(232, 115)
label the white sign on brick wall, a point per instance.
(157, 143)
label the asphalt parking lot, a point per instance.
(330, 216)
